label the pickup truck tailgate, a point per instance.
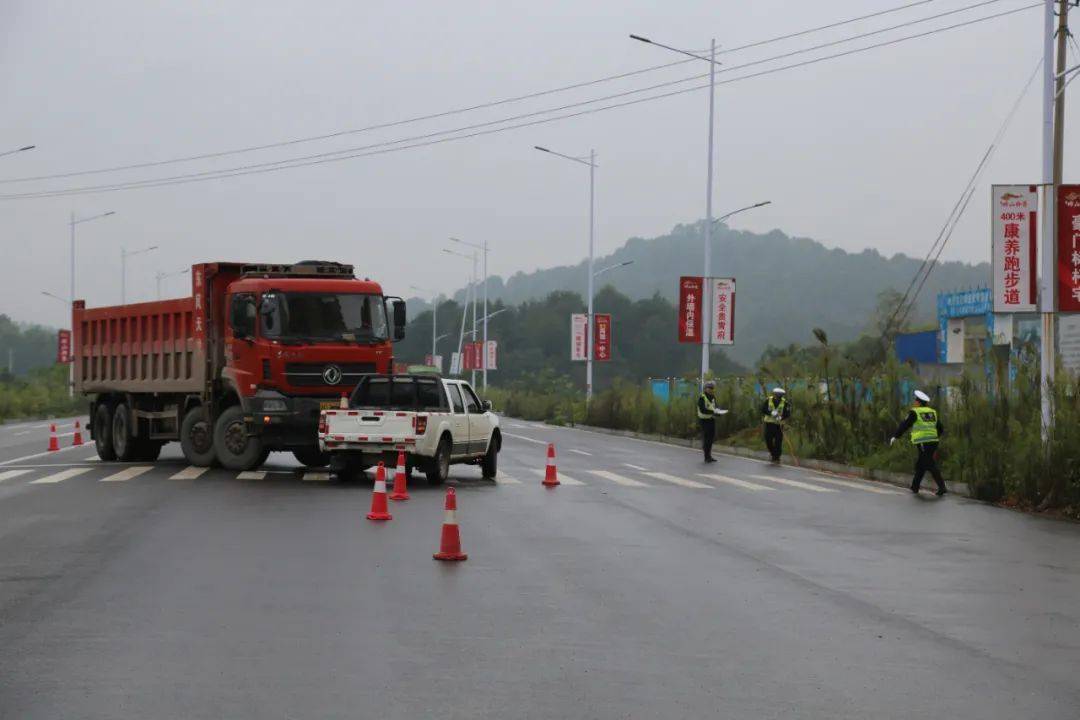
(368, 427)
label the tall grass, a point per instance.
(42, 392)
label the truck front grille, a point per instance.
(314, 374)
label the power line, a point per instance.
(905, 306)
(374, 149)
(457, 111)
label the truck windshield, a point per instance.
(349, 317)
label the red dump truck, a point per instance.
(239, 369)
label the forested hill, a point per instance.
(786, 286)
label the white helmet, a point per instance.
(779, 391)
(920, 395)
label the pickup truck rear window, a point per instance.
(400, 393)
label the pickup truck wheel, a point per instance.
(125, 444)
(438, 469)
(311, 457)
(103, 433)
(489, 466)
(235, 448)
(197, 438)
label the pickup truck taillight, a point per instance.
(322, 423)
(420, 424)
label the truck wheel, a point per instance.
(197, 438)
(103, 433)
(489, 466)
(350, 469)
(235, 449)
(439, 468)
(125, 444)
(311, 457)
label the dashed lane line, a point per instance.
(563, 478)
(251, 475)
(793, 483)
(527, 439)
(676, 480)
(506, 480)
(637, 467)
(8, 474)
(60, 476)
(618, 479)
(189, 473)
(128, 473)
(734, 481)
(580, 452)
(316, 477)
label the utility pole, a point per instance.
(1053, 152)
(706, 340)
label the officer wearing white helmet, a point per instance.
(926, 431)
(774, 412)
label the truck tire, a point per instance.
(311, 457)
(103, 433)
(235, 448)
(125, 444)
(489, 466)
(438, 469)
(197, 438)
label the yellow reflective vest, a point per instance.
(710, 407)
(925, 428)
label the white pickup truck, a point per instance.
(436, 421)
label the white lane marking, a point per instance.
(60, 476)
(16, 461)
(8, 474)
(580, 452)
(734, 481)
(316, 477)
(792, 483)
(563, 477)
(527, 439)
(854, 485)
(24, 432)
(676, 480)
(92, 458)
(506, 480)
(618, 479)
(251, 475)
(189, 473)
(637, 467)
(128, 473)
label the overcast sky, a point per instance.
(870, 150)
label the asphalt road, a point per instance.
(643, 590)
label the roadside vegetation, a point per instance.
(42, 392)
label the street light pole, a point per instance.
(434, 316)
(159, 276)
(18, 150)
(483, 249)
(711, 59)
(591, 162)
(71, 286)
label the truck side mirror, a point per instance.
(486, 405)
(397, 313)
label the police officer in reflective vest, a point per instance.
(706, 414)
(926, 431)
(774, 412)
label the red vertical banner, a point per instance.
(468, 359)
(63, 346)
(1068, 247)
(601, 337)
(478, 356)
(691, 294)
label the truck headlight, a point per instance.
(274, 406)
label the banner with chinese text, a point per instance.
(492, 355)
(602, 337)
(1068, 248)
(63, 346)
(579, 322)
(691, 295)
(722, 327)
(1014, 229)
(455, 363)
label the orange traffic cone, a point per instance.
(551, 477)
(378, 497)
(401, 487)
(77, 439)
(54, 442)
(450, 546)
